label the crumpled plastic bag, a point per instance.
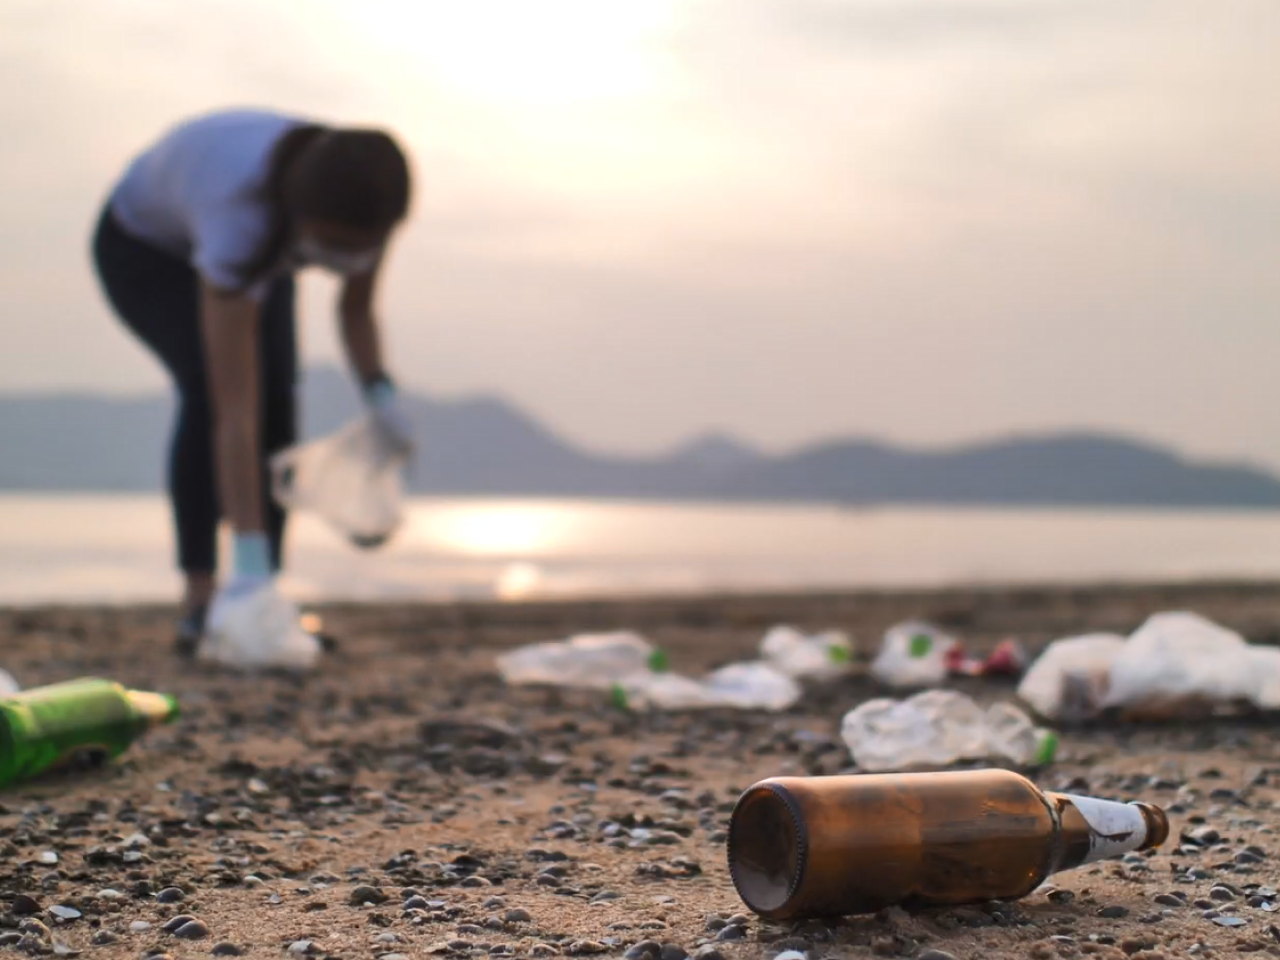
(1178, 663)
(8, 685)
(1071, 679)
(818, 656)
(352, 479)
(914, 654)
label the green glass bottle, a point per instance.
(45, 727)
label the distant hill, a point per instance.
(484, 446)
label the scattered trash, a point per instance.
(755, 685)
(591, 660)
(1175, 664)
(831, 846)
(914, 654)
(8, 685)
(820, 655)
(352, 479)
(1008, 659)
(1179, 662)
(1070, 679)
(940, 727)
(81, 720)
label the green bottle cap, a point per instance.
(837, 653)
(658, 661)
(921, 644)
(1046, 749)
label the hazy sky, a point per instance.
(928, 220)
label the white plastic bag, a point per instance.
(352, 479)
(1070, 680)
(753, 685)
(1179, 661)
(820, 655)
(591, 660)
(937, 728)
(8, 685)
(914, 654)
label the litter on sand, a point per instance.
(940, 727)
(1177, 664)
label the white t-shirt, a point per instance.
(197, 192)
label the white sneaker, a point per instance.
(257, 628)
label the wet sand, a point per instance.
(402, 801)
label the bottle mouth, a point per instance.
(767, 848)
(1157, 825)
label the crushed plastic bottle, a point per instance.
(940, 727)
(352, 479)
(8, 685)
(591, 660)
(914, 654)
(818, 656)
(1070, 680)
(754, 685)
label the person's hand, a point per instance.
(387, 409)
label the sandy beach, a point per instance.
(403, 802)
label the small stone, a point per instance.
(731, 932)
(644, 950)
(170, 895)
(416, 903)
(884, 946)
(366, 894)
(708, 952)
(48, 858)
(138, 926)
(24, 906)
(1169, 900)
(193, 930)
(517, 915)
(227, 949)
(65, 914)
(1113, 912)
(1230, 921)
(303, 947)
(477, 881)
(1205, 836)
(790, 955)
(103, 938)
(932, 954)
(109, 894)
(1062, 897)
(673, 951)
(1221, 894)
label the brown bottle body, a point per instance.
(829, 846)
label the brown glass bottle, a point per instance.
(832, 846)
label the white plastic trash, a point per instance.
(753, 685)
(352, 479)
(590, 660)
(914, 654)
(1070, 680)
(8, 685)
(1178, 661)
(820, 655)
(937, 728)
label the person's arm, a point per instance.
(229, 325)
(360, 334)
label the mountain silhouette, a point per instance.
(485, 446)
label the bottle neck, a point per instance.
(1093, 829)
(153, 709)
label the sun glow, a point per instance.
(550, 52)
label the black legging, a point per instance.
(157, 296)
